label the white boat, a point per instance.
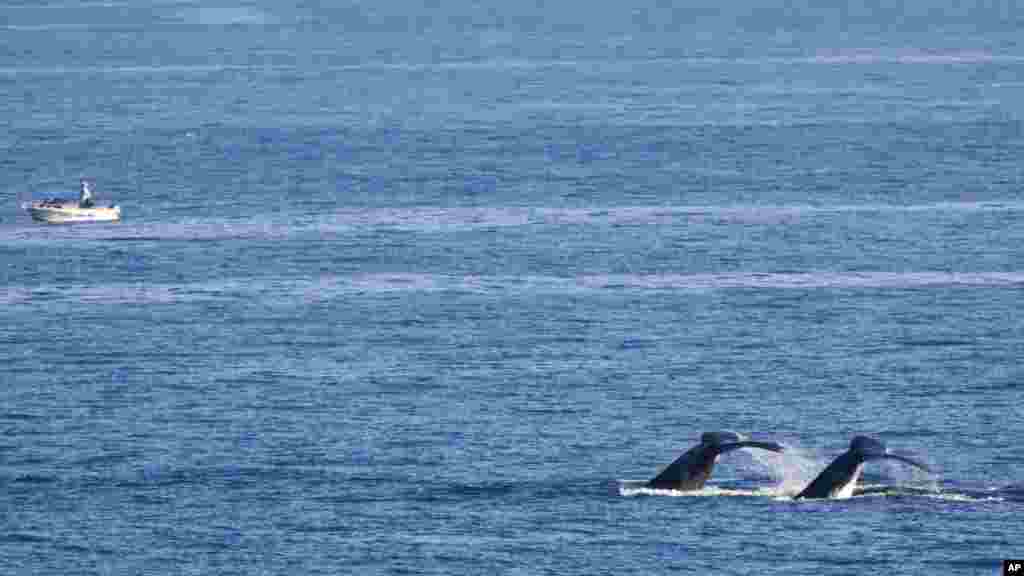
(67, 212)
(56, 211)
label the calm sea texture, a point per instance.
(413, 288)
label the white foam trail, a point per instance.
(632, 488)
(637, 488)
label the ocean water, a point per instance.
(423, 287)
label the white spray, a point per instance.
(794, 468)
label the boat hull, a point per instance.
(69, 214)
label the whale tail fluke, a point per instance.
(771, 446)
(905, 459)
(692, 469)
(874, 449)
(839, 479)
(675, 474)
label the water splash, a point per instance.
(911, 476)
(795, 468)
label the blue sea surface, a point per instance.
(423, 287)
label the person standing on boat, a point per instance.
(85, 199)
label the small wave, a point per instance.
(225, 16)
(109, 294)
(87, 549)
(806, 280)
(847, 57)
(927, 491)
(850, 57)
(47, 27)
(329, 287)
(242, 16)
(933, 342)
(122, 70)
(858, 57)
(24, 538)
(671, 282)
(954, 497)
(20, 416)
(36, 479)
(462, 218)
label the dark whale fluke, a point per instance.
(691, 470)
(839, 479)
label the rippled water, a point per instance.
(412, 288)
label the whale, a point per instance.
(693, 468)
(839, 479)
